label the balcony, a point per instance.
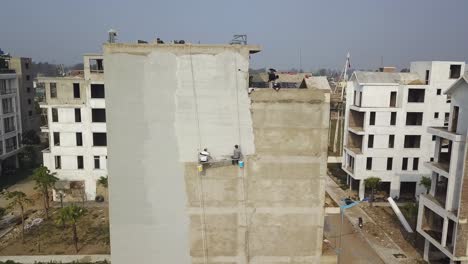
(443, 132)
(356, 121)
(354, 143)
(45, 129)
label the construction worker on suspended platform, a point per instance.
(236, 155)
(204, 156)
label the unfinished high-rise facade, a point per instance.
(443, 211)
(166, 103)
(75, 111)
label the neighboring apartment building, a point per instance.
(167, 102)
(386, 118)
(443, 212)
(30, 118)
(10, 116)
(76, 126)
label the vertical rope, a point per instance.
(201, 192)
(244, 196)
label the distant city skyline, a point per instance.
(323, 32)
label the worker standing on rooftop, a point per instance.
(237, 155)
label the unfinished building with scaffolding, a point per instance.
(166, 104)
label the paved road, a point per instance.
(355, 249)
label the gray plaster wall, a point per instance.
(272, 210)
(164, 103)
(162, 209)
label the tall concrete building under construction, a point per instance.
(166, 103)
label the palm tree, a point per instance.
(20, 200)
(372, 183)
(45, 180)
(426, 182)
(103, 181)
(70, 215)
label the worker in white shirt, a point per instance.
(204, 156)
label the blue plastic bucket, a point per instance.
(241, 164)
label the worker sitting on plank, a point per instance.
(237, 155)
(204, 156)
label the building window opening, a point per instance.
(98, 115)
(53, 90)
(96, 65)
(416, 95)
(99, 139)
(414, 119)
(97, 163)
(79, 161)
(455, 71)
(412, 141)
(97, 91)
(76, 90)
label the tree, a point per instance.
(103, 181)
(44, 182)
(19, 200)
(372, 183)
(426, 182)
(30, 137)
(71, 215)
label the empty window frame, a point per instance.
(80, 163)
(415, 164)
(412, 141)
(79, 139)
(53, 90)
(98, 115)
(369, 164)
(404, 164)
(11, 144)
(7, 105)
(446, 119)
(389, 164)
(99, 139)
(55, 117)
(393, 98)
(76, 90)
(370, 141)
(9, 124)
(428, 75)
(78, 115)
(393, 116)
(391, 141)
(56, 136)
(436, 115)
(416, 95)
(414, 118)
(58, 162)
(455, 71)
(97, 162)
(96, 65)
(372, 119)
(97, 91)
(439, 91)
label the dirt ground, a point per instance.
(50, 238)
(388, 222)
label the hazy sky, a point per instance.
(60, 31)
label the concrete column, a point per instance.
(395, 187)
(444, 232)
(426, 250)
(362, 189)
(90, 189)
(434, 180)
(17, 163)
